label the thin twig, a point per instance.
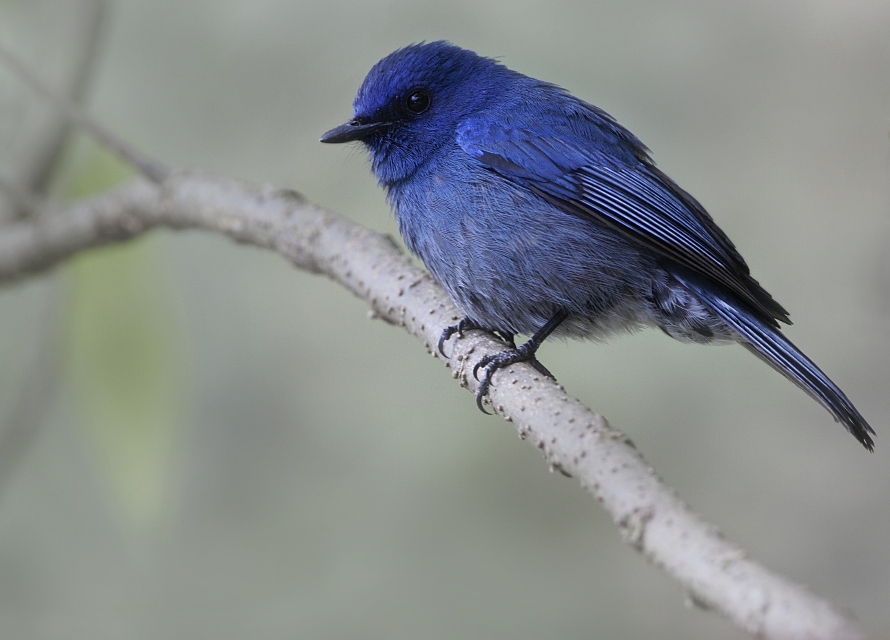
(151, 169)
(34, 151)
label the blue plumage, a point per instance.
(540, 215)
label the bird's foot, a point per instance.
(490, 364)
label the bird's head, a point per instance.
(411, 101)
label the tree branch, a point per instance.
(715, 573)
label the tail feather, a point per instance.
(776, 350)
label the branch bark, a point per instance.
(715, 573)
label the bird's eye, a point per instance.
(418, 101)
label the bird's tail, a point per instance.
(768, 344)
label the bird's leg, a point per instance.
(525, 353)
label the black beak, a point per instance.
(353, 130)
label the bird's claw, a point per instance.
(540, 368)
(464, 324)
(446, 335)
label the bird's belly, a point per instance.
(510, 261)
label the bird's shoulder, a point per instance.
(540, 131)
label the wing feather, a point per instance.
(621, 189)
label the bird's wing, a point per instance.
(621, 190)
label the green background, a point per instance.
(225, 447)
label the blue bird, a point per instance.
(539, 214)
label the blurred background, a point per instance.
(197, 440)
